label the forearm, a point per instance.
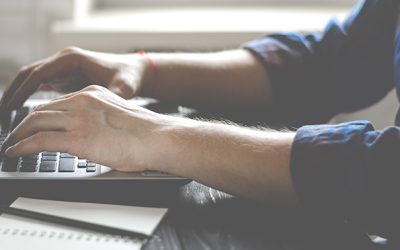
(246, 162)
(227, 79)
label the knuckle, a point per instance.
(93, 88)
(23, 69)
(80, 98)
(34, 116)
(71, 56)
(70, 53)
(86, 98)
(33, 121)
(70, 50)
(36, 70)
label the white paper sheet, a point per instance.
(135, 219)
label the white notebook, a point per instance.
(130, 218)
(18, 233)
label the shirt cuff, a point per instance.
(349, 172)
(289, 63)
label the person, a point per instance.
(347, 171)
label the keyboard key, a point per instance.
(48, 166)
(49, 158)
(66, 155)
(50, 153)
(34, 164)
(30, 169)
(90, 164)
(67, 165)
(29, 163)
(10, 164)
(30, 157)
(81, 164)
(91, 169)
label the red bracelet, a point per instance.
(153, 65)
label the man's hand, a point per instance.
(221, 81)
(93, 123)
(72, 69)
(98, 125)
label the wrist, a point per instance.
(149, 75)
(169, 143)
(149, 139)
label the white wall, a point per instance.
(24, 26)
(381, 115)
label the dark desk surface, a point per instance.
(203, 218)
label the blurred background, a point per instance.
(33, 29)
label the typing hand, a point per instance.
(93, 123)
(72, 69)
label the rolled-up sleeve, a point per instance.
(350, 172)
(347, 67)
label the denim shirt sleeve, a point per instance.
(347, 67)
(350, 172)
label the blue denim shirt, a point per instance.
(348, 171)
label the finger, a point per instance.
(42, 74)
(90, 97)
(54, 141)
(66, 96)
(15, 84)
(73, 100)
(92, 88)
(59, 104)
(18, 80)
(39, 121)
